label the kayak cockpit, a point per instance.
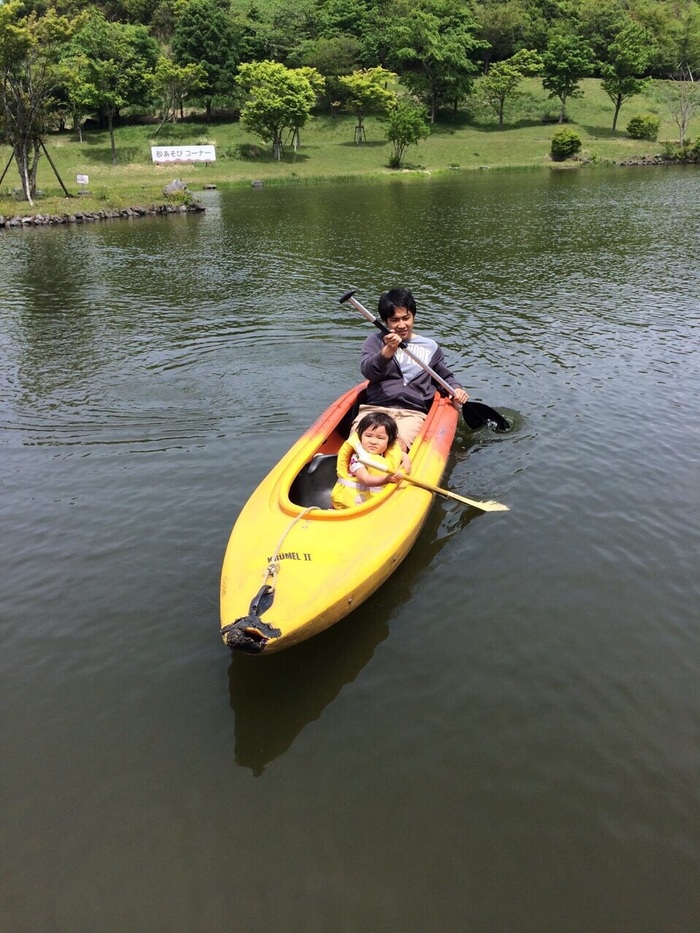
(313, 484)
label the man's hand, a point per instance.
(392, 342)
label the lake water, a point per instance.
(506, 737)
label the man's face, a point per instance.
(401, 322)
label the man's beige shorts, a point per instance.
(408, 422)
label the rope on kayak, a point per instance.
(250, 633)
(274, 564)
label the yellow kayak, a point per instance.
(293, 565)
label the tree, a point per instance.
(332, 58)
(276, 30)
(367, 90)
(681, 94)
(205, 36)
(174, 84)
(688, 35)
(279, 98)
(118, 62)
(599, 23)
(432, 47)
(502, 25)
(28, 86)
(566, 61)
(406, 125)
(628, 57)
(503, 79)
(318, 84)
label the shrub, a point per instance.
(249, 151)
(643, 126)
(552, 116)
(406, 125)
(690, 152)
(565, 143)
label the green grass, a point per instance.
(467, 141)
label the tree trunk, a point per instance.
(618, 104)
(111, 137)
(22, 159)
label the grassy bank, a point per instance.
(468, 141)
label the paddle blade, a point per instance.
(490, 506)
(478, 415)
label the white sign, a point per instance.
(183, 153)
(83, 179)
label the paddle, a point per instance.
(476, 414)
(490, 506)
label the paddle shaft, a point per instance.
(490, 506)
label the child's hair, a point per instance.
(395, 298)
(379, 419)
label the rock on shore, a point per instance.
(80, 217)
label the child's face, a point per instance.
(375, 440)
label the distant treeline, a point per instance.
(273, 60)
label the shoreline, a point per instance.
(44, 219)
(19, 221)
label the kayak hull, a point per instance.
(294, 566)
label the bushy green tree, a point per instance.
(502, 25)
(406, 125)
(504, 78)
(366, 90)
(598, 22)
(433, 49)
(117, 62)
(29, 85)
(278, 30)
(205, 35)
(279, 98)
(629, 56)
(567, 60)
(174, 84)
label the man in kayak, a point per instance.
(397, 384)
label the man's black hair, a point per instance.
(395, 298)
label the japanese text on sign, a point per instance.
(183, 153)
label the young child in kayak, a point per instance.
(376, 439)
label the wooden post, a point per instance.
(9, 163)
(55, 171)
